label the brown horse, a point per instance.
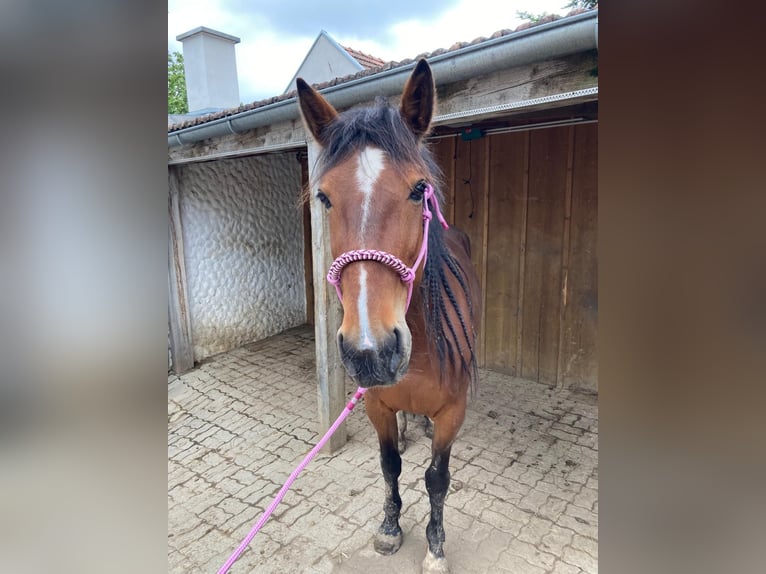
(376, 178)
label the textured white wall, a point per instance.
(243, 242)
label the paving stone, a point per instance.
(553, 509)
(184, 539)
(215, 515)
(516, 564)
(587, 545)
(564, 568)
(233, 506)
(491, 547)
(534, 530)
(555, 540)
(581, 559)
(531, 554)
(586, 498)
(533, 501)
(246, 519)
(230, 486)
(509, 485)
(455, 519)
(500, 521)
(583, 522)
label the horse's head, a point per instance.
(370, 180)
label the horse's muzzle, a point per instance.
(383, 363)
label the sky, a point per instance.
(276, 35)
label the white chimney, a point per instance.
(210, 65)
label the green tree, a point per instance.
(177, 103)
(573, 4)
(587, 4)
(534, 18)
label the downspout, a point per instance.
(595, 31)
(553, 40)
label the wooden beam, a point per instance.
(482, 354)
(331, 385)
(308, 267)
(181, 350)
(522, 259)
(565, 248)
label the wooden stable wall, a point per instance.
(528, 200)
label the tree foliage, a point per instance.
(587, 4)
(573, 4)
(177, 102)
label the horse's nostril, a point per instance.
(398, 336)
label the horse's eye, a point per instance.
(418, 190)
(324, 199)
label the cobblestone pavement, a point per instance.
(523, 498)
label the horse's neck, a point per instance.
(416, 321)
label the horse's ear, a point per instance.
(418, 97)
(317, 112)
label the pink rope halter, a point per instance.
(407, 274)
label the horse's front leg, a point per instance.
(446, 427)
(388, 539)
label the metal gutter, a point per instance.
(586, 93)
(553, 40)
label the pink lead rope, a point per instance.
(309, 457)
(407, 274)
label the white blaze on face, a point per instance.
(365, 332)
(371, 162)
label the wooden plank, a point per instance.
(308, 267)
(181, 350)
(331, 387)
(522, 255)
(542, 274)
(579, 353)
(444, 153)
(482, 335)
(470, 184)
(506, 209)
(565, 251)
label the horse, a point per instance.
(408, 333)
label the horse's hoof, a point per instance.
(387, 544)
(434, 565)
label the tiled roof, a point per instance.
(366, 60)
(368, 71)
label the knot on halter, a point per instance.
(427, 214)
(407, 274)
